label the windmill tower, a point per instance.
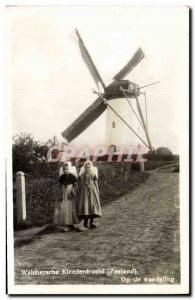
(117, 133)
(120, 98)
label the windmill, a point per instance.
(118, 90)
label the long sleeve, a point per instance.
(66, 179)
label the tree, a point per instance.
(27, 154)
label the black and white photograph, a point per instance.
(98, 150)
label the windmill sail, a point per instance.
(137, 57)
(85, 119)
(89, 62)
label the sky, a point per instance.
(51, 86)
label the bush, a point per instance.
(30, 157)
(164, 151)
(41, 195)
(116, 179)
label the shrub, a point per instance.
(41, 194)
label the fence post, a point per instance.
(20, 197)
(142, 165)
(141, 160)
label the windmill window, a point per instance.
(113, 124)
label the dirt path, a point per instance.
(137, 231)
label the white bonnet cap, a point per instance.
(93, 170)
(72, 169)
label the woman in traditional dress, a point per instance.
(66, 210)
(89, 203)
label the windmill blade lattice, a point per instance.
(89, 62)
(85, 119)
(137, 57)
